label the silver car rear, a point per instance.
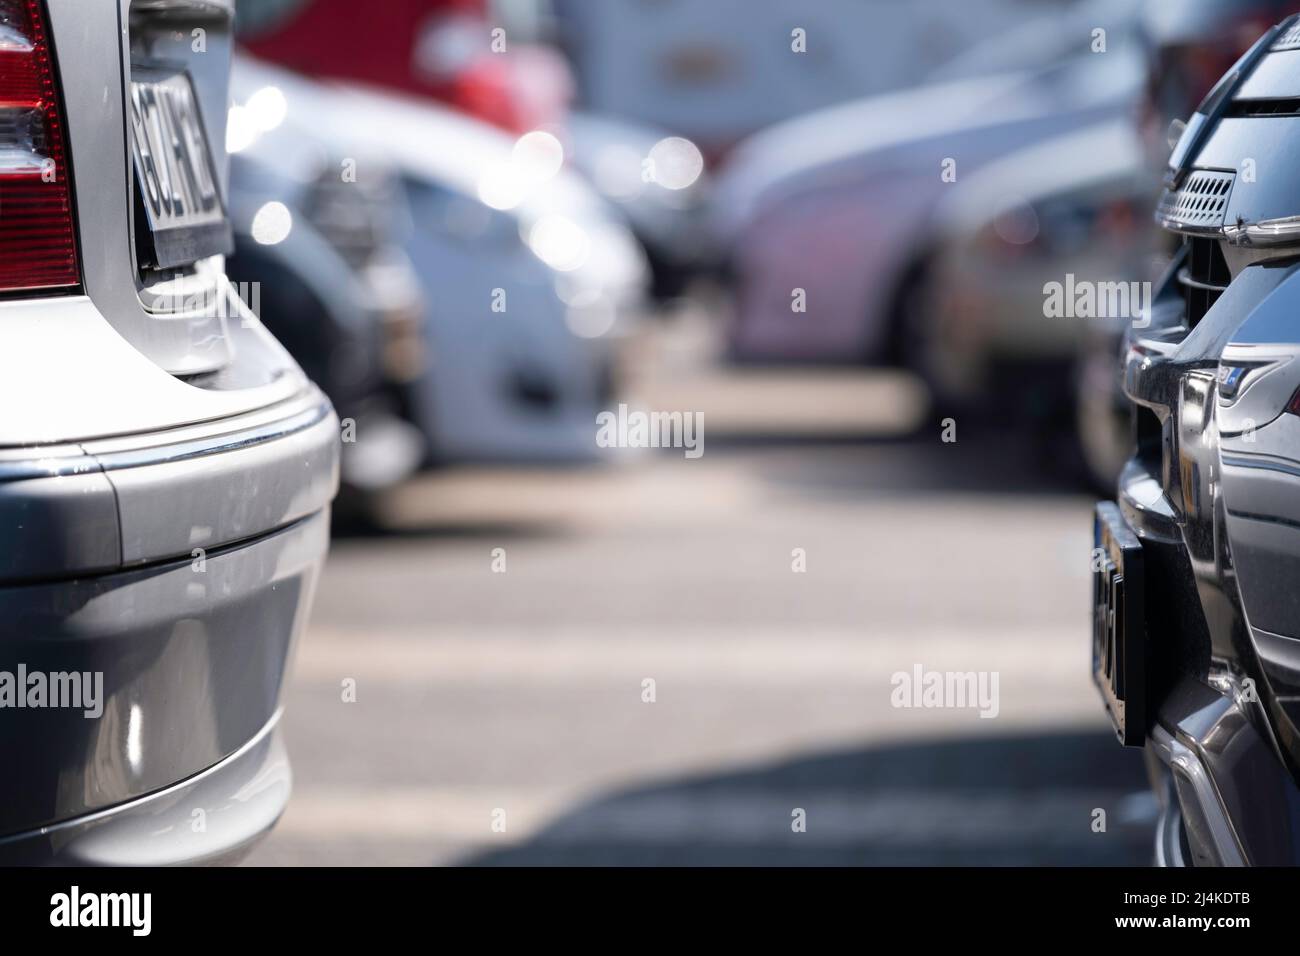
(165, 467)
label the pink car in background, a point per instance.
(840, 203)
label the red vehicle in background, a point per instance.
(451, 50)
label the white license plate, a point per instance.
(174, 172)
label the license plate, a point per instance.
(174, 173)
(1119, 623)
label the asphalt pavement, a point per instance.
(624, 664)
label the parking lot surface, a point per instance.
(500, 636)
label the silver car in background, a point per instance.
(166, 469)
(534, 284)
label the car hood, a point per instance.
(1229, 173)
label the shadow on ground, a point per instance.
(1003, 465)
(1014, 800)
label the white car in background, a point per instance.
(532, 281)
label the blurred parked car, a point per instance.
(983, 329)
(658, 182)
(840, 204)
(532, 283)
(166, 469)
(1193, 43)
(1196, 620)
(318, 222)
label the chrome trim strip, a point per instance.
(144, 800)
(154, 448)
(52, 467)
(1177, 754)
(1262, 462)
(199, 448)
(1168, 850)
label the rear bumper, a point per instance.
(178, 669)
(162, 580)
(115, 503)
(214, 817)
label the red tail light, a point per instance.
(37, 246)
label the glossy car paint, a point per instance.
(433, 48)
(165, 479)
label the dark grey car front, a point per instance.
(1197, 571)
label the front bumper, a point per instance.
(1226, 798)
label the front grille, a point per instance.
(1199, 204)
(1203, 277)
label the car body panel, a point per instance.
(192, 662)
(211, 818)
(105, 338)
(166, 472)
(433, 48)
